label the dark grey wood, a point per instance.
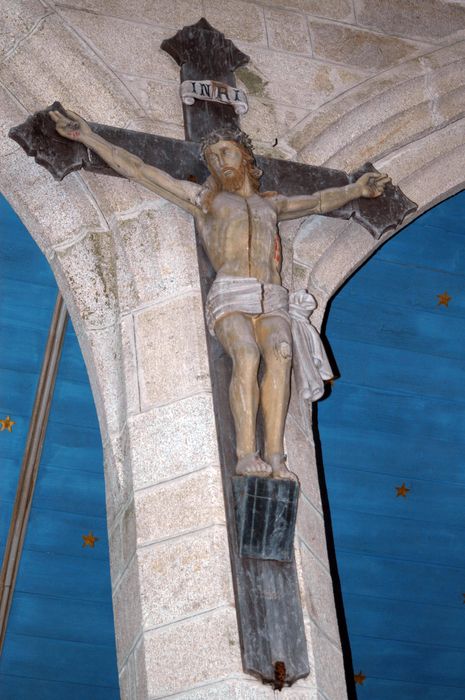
(266, 512)
(264, 591)
(31, 462)
(60, 156)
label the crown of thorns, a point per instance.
(225, 134)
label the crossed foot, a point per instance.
(253, 465)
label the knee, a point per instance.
(246, 357)
(279, 352)
(284, 350)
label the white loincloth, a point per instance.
(249, 296)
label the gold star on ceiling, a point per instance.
(359, 678)
(444, 299)
(89, 540)
(7, 424)
(402, 490)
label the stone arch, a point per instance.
(83, 223)
(67, 223)
(409, 122)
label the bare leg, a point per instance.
(274, 338)
(236, 334)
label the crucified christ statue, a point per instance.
(247, 307)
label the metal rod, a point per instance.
(31, 460)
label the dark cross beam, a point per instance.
(268, 604)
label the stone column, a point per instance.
(170, 562)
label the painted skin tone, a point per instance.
(240, 234)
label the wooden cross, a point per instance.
(268, 605)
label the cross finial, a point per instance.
(204, 53)
(202, 49)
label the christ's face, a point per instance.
(226, 163)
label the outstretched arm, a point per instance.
(368, 185)
(180, 192)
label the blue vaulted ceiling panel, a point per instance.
(72, 447)
(407, 622)
(395, 284)
(397, 577)
(382, 689)
(425, 665)
(72, 367)
(60, 637)
(405, 372)
(27, 341)
(450, 256)
(423, 541)
(59, 617)
(398, 329)
(19, 256)
(72, 407)
(374, 494)
(18, 391)
(56, 531)
(72, 491)
(21, 688)
(9, 479)
(397, 416)
(52, 573)
(21, 310)
(378, 451)
(27, 297)
(404, 415)
(59, 660)
(445, 219)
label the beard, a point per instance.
(234, 180)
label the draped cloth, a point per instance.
(310, 361)
(249, 296)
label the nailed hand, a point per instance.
(372, 184)
(71, 126)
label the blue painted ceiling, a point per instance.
(395, 418)
(60, 637)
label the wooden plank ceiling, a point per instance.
(395, 420)
(60, 636)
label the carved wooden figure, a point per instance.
(247, 308)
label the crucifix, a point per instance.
(237, 201)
